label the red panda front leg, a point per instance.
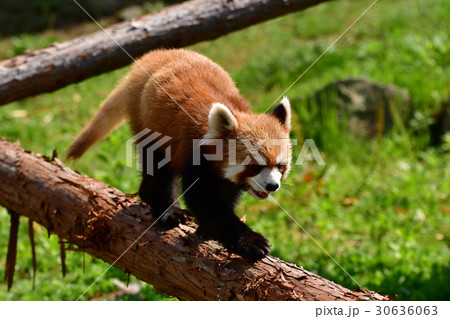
(211, 199)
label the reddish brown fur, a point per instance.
(195, 82)
(172, 92)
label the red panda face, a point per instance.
(260, 167)
(256, 147)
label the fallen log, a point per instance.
(115, 227)
(60, 64)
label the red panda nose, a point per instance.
(271, 187)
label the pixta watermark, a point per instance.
(146, 144)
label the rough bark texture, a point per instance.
(106, 223)
(60, 64)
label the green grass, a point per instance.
(380, 208)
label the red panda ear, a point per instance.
(283, 113)
(221, 120)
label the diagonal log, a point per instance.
(60, 64)
(107, 224)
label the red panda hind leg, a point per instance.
(160, 190)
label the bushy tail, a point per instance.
(112, 114)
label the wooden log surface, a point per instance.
(115, 227)
(60, 64)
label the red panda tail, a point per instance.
(112, 114)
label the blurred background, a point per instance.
(376, 105)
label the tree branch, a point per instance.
(60, 64)
(108, 224)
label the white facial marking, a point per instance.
(231, 172)
(280, 158)
(265, 177)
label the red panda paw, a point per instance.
(252, 245)
(172, 218)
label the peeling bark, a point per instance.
(60, 64)
(106, 223)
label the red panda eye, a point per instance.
(281, 167)
(256, 168)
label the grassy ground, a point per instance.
(380, 208)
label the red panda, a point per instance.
(186, 96)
